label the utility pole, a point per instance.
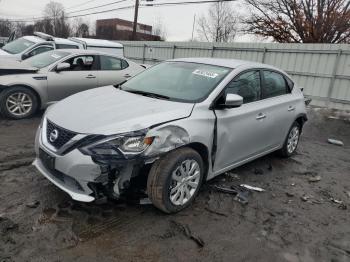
(134, 31)
(194, 22)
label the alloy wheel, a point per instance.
(19, 104)
(293, 139)
(184, 182)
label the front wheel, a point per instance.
(175, 179)
(292, 140)
(18, 102)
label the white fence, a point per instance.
(322, 69)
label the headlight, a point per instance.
(114, 146)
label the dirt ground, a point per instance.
(293, 220)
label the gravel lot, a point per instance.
(293, 220)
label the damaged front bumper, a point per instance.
(81, 176)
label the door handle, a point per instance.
(291, 108)
(127, 75)
(260, 116)
(91, 76)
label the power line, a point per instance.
(120, 1)
(85, 3)
(129, 7)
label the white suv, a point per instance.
(28, 46)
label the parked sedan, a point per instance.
(47, 78)
(176, 124)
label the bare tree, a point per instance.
(54, 12)
(220, 24)
(6, 27)
(79, 28)
(300, 21)
(159, 29)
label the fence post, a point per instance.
(174, 49)
(264, 55)
(212, 51)
(334, 76)
(144, 54)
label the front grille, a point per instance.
(62, 135)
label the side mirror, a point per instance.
(62, 66)
(233, 100)
(25, 56)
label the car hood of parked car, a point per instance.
(108, 110)
(11, 66)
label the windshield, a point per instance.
(17, 46)
(178, 81)
(45, 59)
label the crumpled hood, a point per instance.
(107, 111)
(12, 64)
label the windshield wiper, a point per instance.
(149, 94)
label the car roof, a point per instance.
(224, 62)
(85, 52)
(57, 40)
(97, 42)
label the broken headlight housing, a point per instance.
(118, 145)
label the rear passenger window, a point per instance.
(247, 85)
(275, 84)
(112, 63)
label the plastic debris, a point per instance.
(145, 201)
(335, 142)
(33, 204)
(252, 188)
(313, 179)
(240, 196)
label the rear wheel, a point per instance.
(175, 179)
(18, 103)
(292, 140)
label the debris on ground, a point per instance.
(335, 142)
(269, 167)
(336, 201)
(240, 196)
(33, 204)
(145, 201)
(258, 171)
(215, 212)
(313, 179)
(252, 188)
(184, 229)
(289, 194)
(232, 176)
(6, 225)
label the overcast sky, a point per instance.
(177, 20)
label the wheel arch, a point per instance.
(3, 88)
(203, 151)
(301, 119)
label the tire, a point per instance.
(160, 183)
(26, 99)
(289, 149)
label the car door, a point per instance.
(113, 70)
(280, 104)
(242, 132)
(82, 75)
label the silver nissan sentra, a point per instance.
(174, 125)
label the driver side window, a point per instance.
(82, 63)
(247, 85)
(39, 50)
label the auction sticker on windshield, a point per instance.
(55, 56)
(205, 73)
